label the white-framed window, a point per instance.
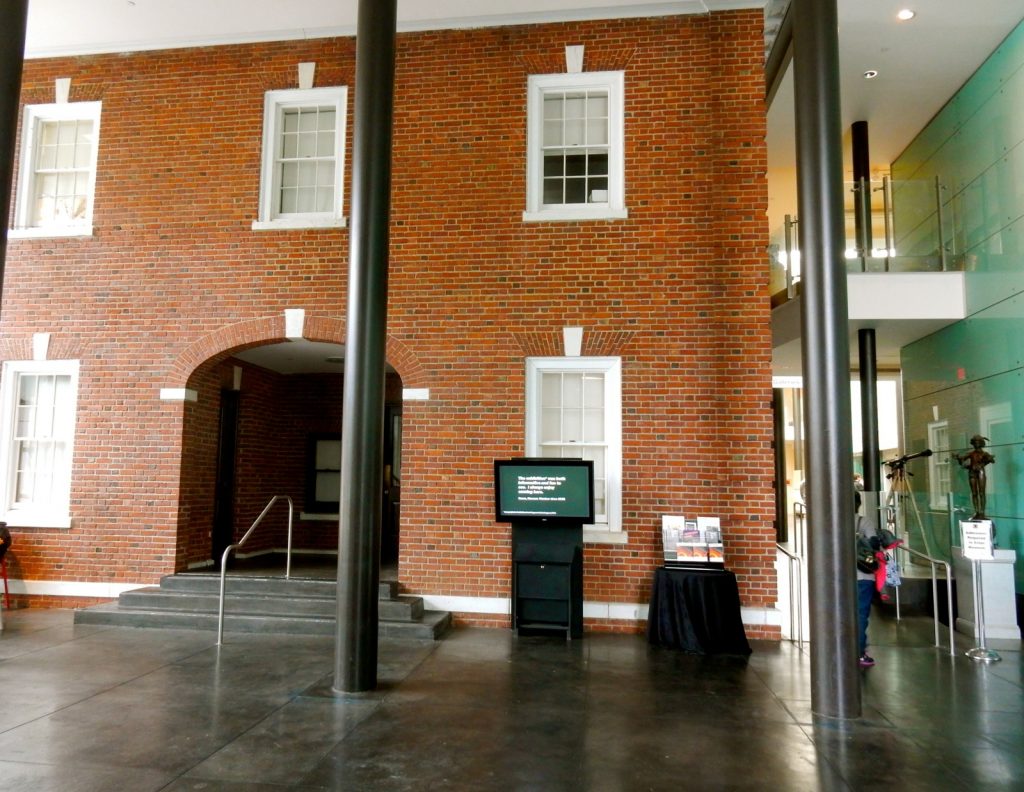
(303, 159)
(57, 170)
(574, 409)
(938, 465)
(575, 147)
(37, 429)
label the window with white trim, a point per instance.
(57, 170)
(575, 147)
(573, 409)
(303, 159)
(37, 411)
(938, 465)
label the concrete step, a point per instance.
(432, 625)
(199, 582)
(258, 604)
(397, 608)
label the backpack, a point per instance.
(866, 561)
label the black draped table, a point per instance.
(696, 610)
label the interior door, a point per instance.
(223, 531)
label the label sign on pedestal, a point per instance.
(976, 539)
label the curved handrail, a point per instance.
(242, 541)
(796, 610)
(933, 562)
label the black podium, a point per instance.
(696, 610)
(547, 579)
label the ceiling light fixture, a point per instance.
(905, 15)
(870, 74)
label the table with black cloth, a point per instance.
(696, 610)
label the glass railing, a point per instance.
(907, 229)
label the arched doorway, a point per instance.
(267, 422)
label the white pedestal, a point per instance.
(998, 595)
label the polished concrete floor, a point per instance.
(113, 708)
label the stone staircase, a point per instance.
(257, 603)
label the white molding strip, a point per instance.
(623, 611)
(72, 588)
(502, 605)
(178, 394)
(619, 611)
(761, 617)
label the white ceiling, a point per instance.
(60, 27)
(921, 63)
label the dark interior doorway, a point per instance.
(223, 531)
(392, 494)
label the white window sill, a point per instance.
(571, 214)
(604, 536)
(319, 517)
(50, 232)
(26, 519)
(298, 223)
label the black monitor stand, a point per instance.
(547, 579)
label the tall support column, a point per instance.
(869, 422)
(835, 689)
(362, 435)
(862, 187)
(13, 20)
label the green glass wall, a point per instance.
(969, 377)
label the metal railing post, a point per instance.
(941, 223)
(890, 243)
(230, 548)
(933, 563)
(788, 230)
(796, 600)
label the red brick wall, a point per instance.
(678, 290)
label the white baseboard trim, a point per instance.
(72, 588)
(490, 605)
(761, 617)
(619, 611)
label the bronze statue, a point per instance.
(974, 463)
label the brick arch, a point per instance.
(223, 342)
(227, 340)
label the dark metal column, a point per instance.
(835, 690)
(779, 432)
(869, 422)
(861, 187)
(362, 435)
(13, 19)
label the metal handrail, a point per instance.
(229, 548)
(799, 526)
(796, 611)
(933, 562)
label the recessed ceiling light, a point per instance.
(905, 14)
(870, 74)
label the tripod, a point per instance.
(899, 493)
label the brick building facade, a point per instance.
(174, 282)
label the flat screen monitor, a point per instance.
(542, 491)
